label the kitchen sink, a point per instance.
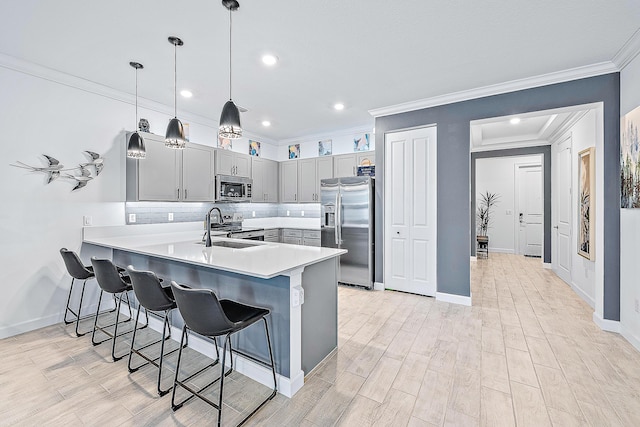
(232, 245)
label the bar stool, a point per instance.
(204, 314)
(154, 298)
(112, 282)
(77, 271)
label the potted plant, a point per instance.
(483, 217)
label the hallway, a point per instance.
(527, 352)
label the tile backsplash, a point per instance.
(158, 212)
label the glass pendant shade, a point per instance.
(230, 121)
(174, 137)
(135, 147)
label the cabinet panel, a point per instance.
(292, 240)
(307, 182)
(224, 162)
(289, 181)
(197, 173)
(243, 164)
(258, 169)
(344, 165)
(271, 181)
(158, 174)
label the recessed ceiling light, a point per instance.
(269, 59)
(339, 106)
(266, 123)
(515, 120)
(186, 93)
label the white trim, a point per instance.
(501, 251)
(453, 299)
(630, 336)
(547, 266)
(510, 146)
(378, 286)
(606, 324)
(511, 86)
(55, 76)
(628, 51)
(473, 258)
(582, 294)
(30, 325)
(286, 386)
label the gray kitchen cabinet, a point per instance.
(197, 173)
(165, 174)
(265, 180)
(272, 235)
(310, 172)
(347, 164)
(311, 237)
(231, 163)
(289, 181)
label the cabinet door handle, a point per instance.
(185, 193)
(178, 191)
(295, 197)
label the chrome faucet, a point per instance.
(208, 220)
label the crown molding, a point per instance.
(327, 135)
(559, 133)
(510, 86)
(59, 77)
(628, 51)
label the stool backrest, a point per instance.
(201, 310)
(107, 276)
(75, 268)
(149, 291)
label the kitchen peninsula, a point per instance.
(297, 283)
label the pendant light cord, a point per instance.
(230, 25)
(175, 80)
(136, 126)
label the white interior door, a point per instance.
(561, 182)
(410, 211)
(530, 210)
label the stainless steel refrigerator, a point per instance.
(347, 217)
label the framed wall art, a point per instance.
(586, 203)
(324, 147)
(294, 151)
(224, 143)
(254, 148)
(630, 160)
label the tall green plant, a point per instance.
(484, 210)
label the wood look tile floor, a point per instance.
(526, 353)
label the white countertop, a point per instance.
(182, 242)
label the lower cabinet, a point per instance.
(296, 236)
(272, 235)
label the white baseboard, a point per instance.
(286, 386)
(605, 324)
(454, 299)
(501, 250)
(547, 265)
(586, 298)
(378, 286)
(474, 258)
(630, 336)
(30, 325)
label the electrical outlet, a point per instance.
(301, 213)
(170, 216)
(288, 213)
(87, 221)
(132, 218)
(637, 305)
(253, 214)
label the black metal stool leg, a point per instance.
(115, 330)
(222, 375)
(68, 309)
(133, 340)
(164, 337)
(78, 334)
(175, 378)
(95, 321)
(273, 365)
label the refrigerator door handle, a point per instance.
(336, 220)
(339, 218)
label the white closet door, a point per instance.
(562, 206)
(410, 211)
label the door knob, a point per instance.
(555, 226)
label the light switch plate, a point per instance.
(170, 216)
(132, 218)
(87, 220)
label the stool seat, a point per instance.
(240, 314)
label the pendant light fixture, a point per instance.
(230, 117)
(175, 132)
(135, 147)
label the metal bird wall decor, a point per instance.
(54, 168)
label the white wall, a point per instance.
(342, 143)
(39, 116)
(497, 175)
(629, 223)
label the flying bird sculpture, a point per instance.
(96, 161)
(82, 179)
(53, 169)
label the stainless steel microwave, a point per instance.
(233, 188)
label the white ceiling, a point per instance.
(365, 53)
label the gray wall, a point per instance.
(545, 150)
(454, 207)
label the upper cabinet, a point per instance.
(289, 181)
(347, 164)
(170, 175)
(310, 172)
(231, 163)
(265, 180)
